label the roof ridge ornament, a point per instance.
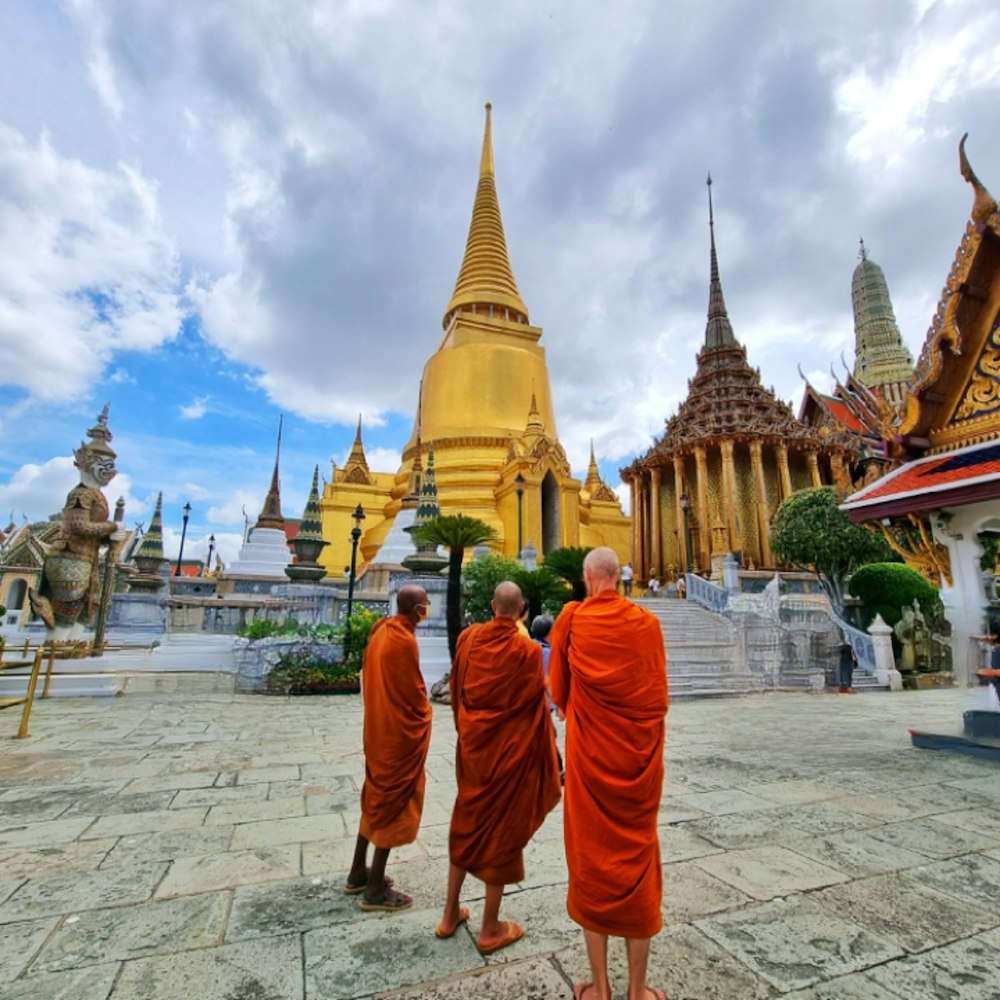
(984, 204)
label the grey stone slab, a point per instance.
(932, 837)
(434, 840)
(255, 812)
(287, 831)
(897, 908)
(279, 772)
(91, 983)
(323, 857)
(127, 932)
(689, 892)
(793, 792)
(984, 821)
(172, 782)
(794, 943)
(8, 887)
(214, 796)
(820, 818)
(673, 810)
(965, 970)
(724, 801)
(986, 785)
(880, 806)
(856, 853)
(125, 824)
(28, 834)
(940, 797)
(679, 842)
(383, 953)
(683, 963)
(854, 987)
(258, 970)
(19, 942)
(533, 979)
(83, 891)
(168, 846)
(111, 805)
(206, 872)
(59, 859)
(742, 830)
(766, 872)
(973, 878)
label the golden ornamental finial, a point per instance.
(984, 204)
(486, 165)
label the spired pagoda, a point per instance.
(727, 459)
(485, 407)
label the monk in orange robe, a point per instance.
(505, 762)
(607, 674)
(397, 735)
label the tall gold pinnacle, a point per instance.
(486, 279)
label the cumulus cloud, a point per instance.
(196, 409)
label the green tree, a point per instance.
(456, 533)
(568, 564)
(544, 592)
(887, 588)
(810, 530)
(480, 578)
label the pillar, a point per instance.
(783, 473)
(813, 461)
(762, 518)
(633, 496)
(729, 490)
(679, 514)
(656, 556)
(704, 520)
(642, 527)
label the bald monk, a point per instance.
(505, 762)
(397, 734)
(607, 674)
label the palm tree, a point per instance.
(456, 533)
(540, 587)
(568, 563)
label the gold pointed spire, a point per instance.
(270, 515)
(356, 467)
(534, 425)
(718, 330)
(486, 282)
(593, 473)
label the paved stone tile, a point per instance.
(215, 796)
(820, 818)
(126, 824)
(795, 943)
(742, 830)
(205, 872)
(973, 878)
(944, 797)
(290, 907)
(689, 892)
(91, 983)
(78, 856)
(679, 842)
(172, 782)
(168, 846)
(384, 953)
(673, 810)
(82, 891)
(854, 987)
(288, 831)
(766, 872)
(19, 942)
(132, 931)
(683, 963)
(434, 840)
(254, 812)
(24, 833)
(793, 792)
(985, 821)
(723, 802)
(883, 807)
(856, 853)
(965, 970)
(902, 910)
(533, 979)
(321, 857)
(933, 838)
(986, 785)
(114, 805)
(259, 970)
(8, 887)
(47, 803)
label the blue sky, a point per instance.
(214, 214)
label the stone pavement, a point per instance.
(154, 847)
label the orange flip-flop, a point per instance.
(463, 915)
(514, 932)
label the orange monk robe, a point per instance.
(607, 671)
(505, 760)
(397, 734)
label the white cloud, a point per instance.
(196, 409)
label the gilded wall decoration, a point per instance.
(982, 394)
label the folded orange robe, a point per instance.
(505, 760)
(397, 734)
(607, 671)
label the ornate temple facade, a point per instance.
(485, 406)
(729, 456)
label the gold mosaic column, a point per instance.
(654, 519)
(634, 495)
(643, 527)
(729, 488)
(704, 521)
(762, 525)
(813, 461)
(679, 514)
(783, 473)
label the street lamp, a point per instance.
(359, 516)
(519, 481)
(211, 549)
(686, 507)
(180, 555)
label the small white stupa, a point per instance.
(265, 553)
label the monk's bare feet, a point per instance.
(451, 922)
(389, 900)
(507, 932)
(588, 991)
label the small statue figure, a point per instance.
(71, 582)
(905, 630)
(921, 639)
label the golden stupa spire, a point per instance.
(356, 467)
(486, 282)
(593, 473)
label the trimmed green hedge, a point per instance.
(887, 588)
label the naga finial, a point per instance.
(984, 204)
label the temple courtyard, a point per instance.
(160, 846)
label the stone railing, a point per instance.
(706, 593)
(861, 643)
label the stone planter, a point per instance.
(255, 658)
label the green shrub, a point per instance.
(269, 628)
(304, 673)
(358, 628)
(887, 588)
(480, 578)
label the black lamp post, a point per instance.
(686, 506)
(359, 516)
(180, 555)
(519, 481)
(211, 549)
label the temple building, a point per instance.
(485, 407)
(729, 456)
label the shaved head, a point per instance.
(602, 563)
(507, 600)
(409, 597)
